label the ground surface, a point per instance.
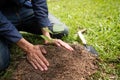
(64, 65)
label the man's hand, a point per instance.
(59, 43)
(36, 58)
(34, 54)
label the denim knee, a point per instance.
(4, 55)
(58, 28)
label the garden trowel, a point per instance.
(87, 47)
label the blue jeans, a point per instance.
(24, 20)
(4, 55)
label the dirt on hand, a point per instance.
(64, 65)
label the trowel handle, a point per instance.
(82, 37)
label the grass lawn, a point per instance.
(101, 18)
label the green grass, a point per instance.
(101, 18)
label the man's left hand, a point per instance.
(60, 43)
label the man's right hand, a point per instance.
(34, 54)
(36, 58)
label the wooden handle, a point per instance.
(82, 37)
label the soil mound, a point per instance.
(64, 65)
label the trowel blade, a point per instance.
(91, 49)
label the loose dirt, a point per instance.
(64, 65)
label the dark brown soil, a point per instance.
(64, 65)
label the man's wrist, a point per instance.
(45, 32)
(25, 45)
